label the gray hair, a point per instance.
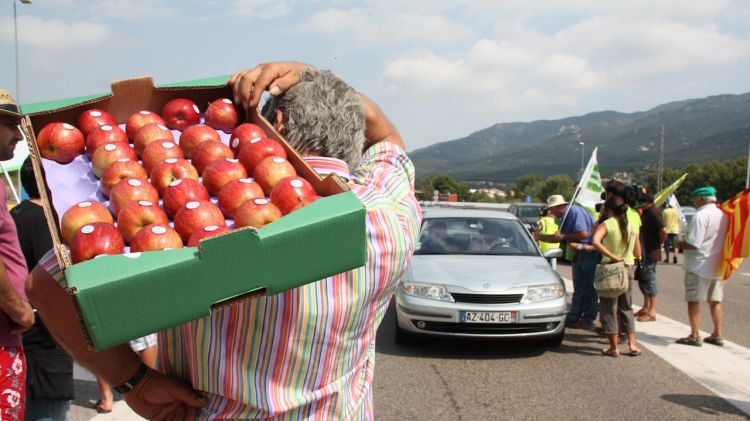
(322, 115)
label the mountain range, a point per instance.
(695, 131)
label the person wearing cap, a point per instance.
(653, 235)
(16, 316)
(703, 252)
(576, 227)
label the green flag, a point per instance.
(662, 196)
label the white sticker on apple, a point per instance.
(175, 183)
(106, 128)
(170, 160)
(68, 126)
(261, 201)
(279, 160)
(235, 142)
(145, 112)
(246, 180)
(256, 139)
(192, 205)
(123, 159)
(211, 228)
(158, 230)
(95, 114)
(161, 126)
(168, 145)
(134, 182)
(234, 161)
(84, 204)
(226, 101)
(109, 147)
(87, 229)
(134, 255)
(296, 183)
(197, 110)
(145, 203)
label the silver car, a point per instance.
(478, 273)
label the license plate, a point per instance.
(489, 317)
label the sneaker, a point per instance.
(714, 340)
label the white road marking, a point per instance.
(745, 273)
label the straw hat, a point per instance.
(8, 106)
(555, 200)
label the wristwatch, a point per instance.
(133, 381)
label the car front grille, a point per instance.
(487, 298)
(487, 328)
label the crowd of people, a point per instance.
(634, 231)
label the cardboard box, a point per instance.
(122, 297)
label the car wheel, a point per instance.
(403, 337)
(554, 341)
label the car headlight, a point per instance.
(429, 291)
(543, 292)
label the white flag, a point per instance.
(672, 201)
(590, 186)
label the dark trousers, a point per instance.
(585, 300)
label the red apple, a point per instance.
(140, 119)
(180, 113)
(304, 202)
(182, 191)
(196, 215)
(237, 192)
(208, 152)
(129, 190)
(259, 149)
(290, 192)
(93, 118)
(120, 170)
(220, 172)
(157, 152)
(221, 115)
(195, 135)
(256, 213)
(151, 133)
(136, 215)
(107, 154)
(169, 170)
(206, 232)
(60, 142)
(271, 170)
(95, 239)
(156, 237)
(243, 134)
(81, 214)
(100, 135)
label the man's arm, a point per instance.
(19, 311)
(154, 396)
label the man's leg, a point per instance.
(590, 299)
(694, 315)
(575, 306)
(717, 314)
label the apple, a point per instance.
(80, 214)
(196, 215)
(221, 115)
(95, 239)
(60, 142)
(169, 170)
(258, 149)
(140, 119)
(100, 135)
(220, 172)
(157, 152)
(180, 113)
(129, 190)
(195, 135)
(256, 213)
(93, 118)
(136, 215)
(290, 192)
(304, 202)
(119, 170)
(243, 134)
(182, 191)
(107, 154)
(156, 237)
(208, 152)
(237, 192)
(271, 170)
(151, 133)
(206, 232)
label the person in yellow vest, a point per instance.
(547, 225)
(672, 223)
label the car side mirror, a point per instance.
(553, 253)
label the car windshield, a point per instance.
(479, 236)
(528, 212)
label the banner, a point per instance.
(590, 186)
(673, 203)
(662, 196)
(737, 241)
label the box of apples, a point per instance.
(165, 203)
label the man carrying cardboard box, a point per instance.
(16, 316)
(305, 353)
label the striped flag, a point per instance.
(737, 241)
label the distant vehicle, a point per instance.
(479, 274)
(528, 213)
(688, 212)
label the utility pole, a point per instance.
(661, 160)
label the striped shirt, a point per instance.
(307, 353)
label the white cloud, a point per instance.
(54, 34)
(132, 10)
(263, 9)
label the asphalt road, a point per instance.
(483, 380)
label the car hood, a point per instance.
(482, 273)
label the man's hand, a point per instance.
(558, 237)
(23, 318)
(160, 397)
(248, 85)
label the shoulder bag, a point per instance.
(611, 279)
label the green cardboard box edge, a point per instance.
(123, 297)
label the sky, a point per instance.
(440, 69)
